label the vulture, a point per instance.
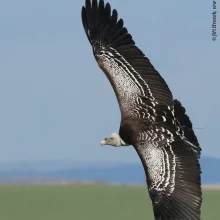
(152, 121)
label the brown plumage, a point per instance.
(152, 121)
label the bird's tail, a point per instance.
(186, 125)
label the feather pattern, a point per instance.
(174, 180)
(131, 74)
(155, 124)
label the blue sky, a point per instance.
(57, 104)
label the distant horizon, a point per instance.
(83, 161)
(68, 170)
(207, 186)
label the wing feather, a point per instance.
(164, 140)
(173, 177)
(131, 74)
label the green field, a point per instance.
(75, 202)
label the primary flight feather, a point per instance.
(151, 120)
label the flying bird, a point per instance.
(151, 119)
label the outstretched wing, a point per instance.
(138, 86)
(173, 177)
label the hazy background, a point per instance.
(55, 102)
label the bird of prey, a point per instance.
(151, 119)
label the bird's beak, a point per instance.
(103, 142)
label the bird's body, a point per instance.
(151, 120)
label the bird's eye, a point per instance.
(111, 138)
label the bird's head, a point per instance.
(113, 140)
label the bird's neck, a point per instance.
(123, 143)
